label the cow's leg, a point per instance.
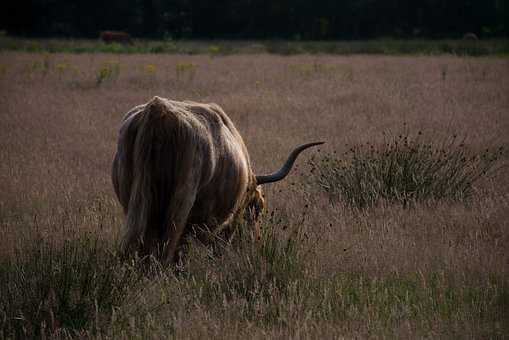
(179, 208)
(175, 230)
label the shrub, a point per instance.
(67, 70)
(150, 69)
(214, 49)
(108, 70)
(405, 169)
(185, 71)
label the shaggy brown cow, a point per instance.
(115, 36)
(179, 165)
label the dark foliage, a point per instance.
(261, 19)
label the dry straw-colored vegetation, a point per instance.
(435, 268)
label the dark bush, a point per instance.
(404, 169)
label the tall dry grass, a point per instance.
(434, 270)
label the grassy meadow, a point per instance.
(355, 244)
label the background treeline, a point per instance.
(259, 19)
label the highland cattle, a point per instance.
(184, 164)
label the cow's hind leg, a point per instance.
(177, 222)
(180, 205)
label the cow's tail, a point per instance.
(166, 168)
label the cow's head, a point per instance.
(256, 202)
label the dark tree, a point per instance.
(266, 19)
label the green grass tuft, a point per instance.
(107, 71)
(46, 287)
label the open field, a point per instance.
(497, 47)
(327, 270)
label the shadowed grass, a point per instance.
(72, 285)
(80, 288)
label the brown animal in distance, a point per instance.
(470, 36)
(183, 164)
(115, 36)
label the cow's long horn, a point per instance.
(281, 173)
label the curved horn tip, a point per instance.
(308, 145)
(285, 169)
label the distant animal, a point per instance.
(115, 36)
(180, 165)
(470, 36)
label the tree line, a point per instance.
(258, 19)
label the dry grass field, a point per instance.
(434, 269)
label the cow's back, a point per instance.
(226, 167)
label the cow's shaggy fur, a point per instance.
(180, 164)
(183, 166)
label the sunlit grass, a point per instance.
(322, 268)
